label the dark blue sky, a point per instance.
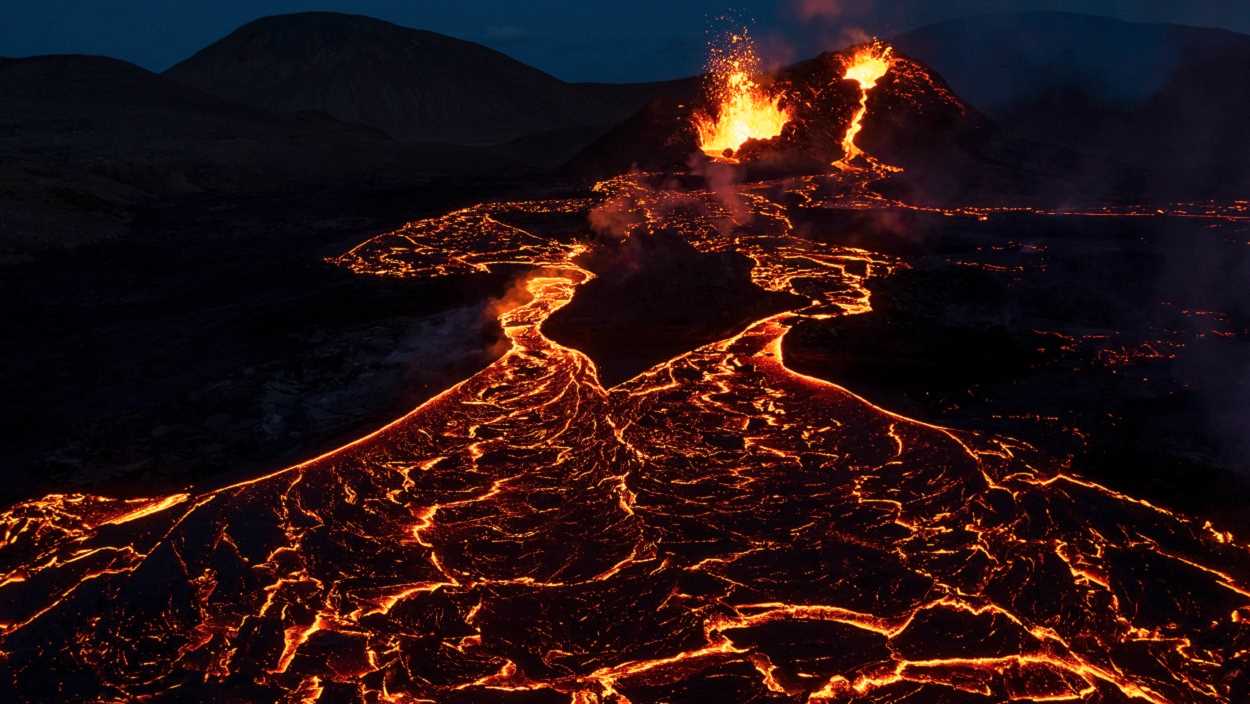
(617, 41)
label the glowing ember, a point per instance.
(865, 67)
(744, 110)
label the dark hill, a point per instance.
(1157, 109)
(995, 61)
(415, 85)
(85, 139)
(1067, 144)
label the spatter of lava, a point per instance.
(742, 109)
(718, 528)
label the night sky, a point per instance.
(574, 40)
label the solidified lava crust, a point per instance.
(717, 528)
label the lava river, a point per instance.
(718, 528)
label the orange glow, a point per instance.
(530, 482)
(867, 66)
(744, 109)
(149, 507)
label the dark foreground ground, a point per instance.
(1124, 342)
(213, 342)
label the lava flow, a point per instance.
(744, 110)
(866, 66)
(717, 528)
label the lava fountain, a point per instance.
(866, 66)
(744, 110)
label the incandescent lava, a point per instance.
(717, 528)
(865, 66)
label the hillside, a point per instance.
(86, 139)
(995, 61)
(415, 85)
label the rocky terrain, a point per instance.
(665, 297)
(215, 341)
(1121, 342)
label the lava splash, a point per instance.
(743, 109)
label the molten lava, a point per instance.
(866, 66)
(744, 109)
(720, 527)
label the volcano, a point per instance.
(796, 404)
(945, 151)
(908, 117)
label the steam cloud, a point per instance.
(615, 218)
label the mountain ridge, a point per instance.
(414, 84)
(1153, 106)
(85, 140)
(988, 58)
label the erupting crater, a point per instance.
(744, 109)
(813, 117)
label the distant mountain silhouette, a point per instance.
(414, 85)
(994, 61)
(1159, 109)
(84, 139)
